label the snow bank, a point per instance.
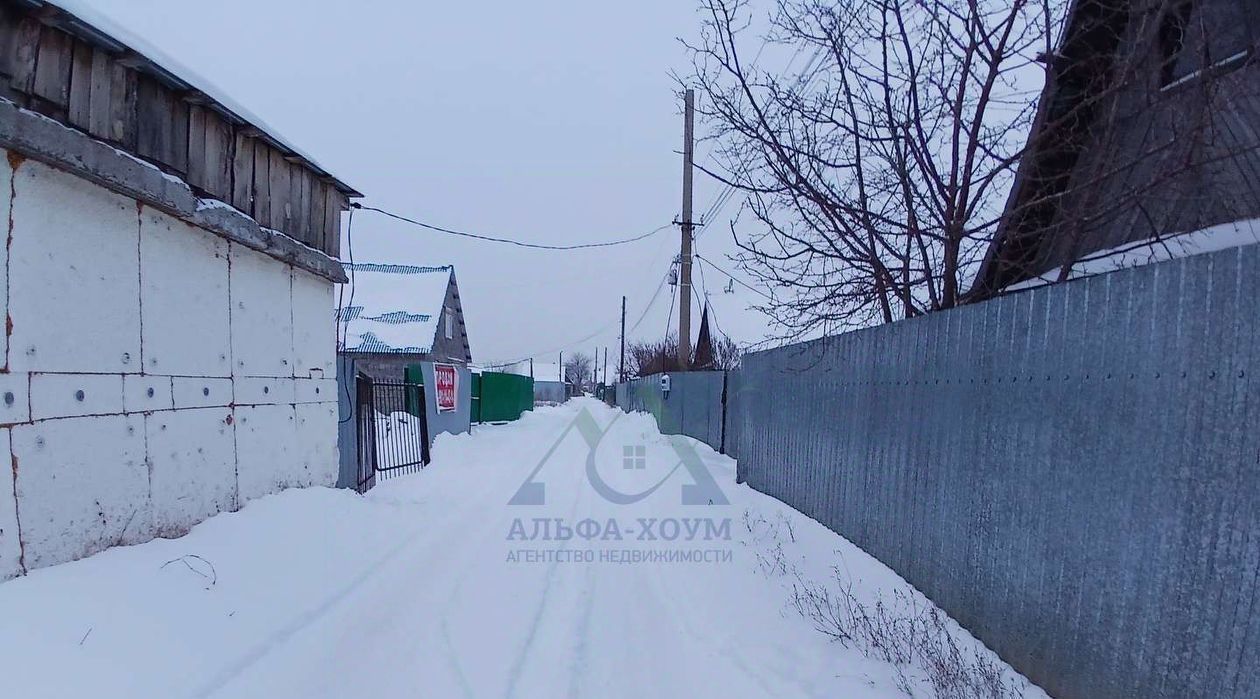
(412, 590)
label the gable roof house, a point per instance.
(169, 284)
(1146, 144)
(395, 316)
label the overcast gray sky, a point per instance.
(553, 121)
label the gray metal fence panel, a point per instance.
(458, 421)
(1070, 472)
(693, 406)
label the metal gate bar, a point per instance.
(393, 429)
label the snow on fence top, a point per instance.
(394, 308)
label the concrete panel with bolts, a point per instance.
(75, 395)
(146, 393)
(261, 390)
(314, 327)
(317, 442)
(10, 543)
(6, 191)
(183, 298)
(314, 390)
(262, 322)
(74, 275)
(79, 496)
(15, 402)
(266, 445)
(191, 392)
(192, 466)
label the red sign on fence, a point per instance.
(446, 378)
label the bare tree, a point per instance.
(648, 358)
(726, 353)
(579, 370)
(875, 176)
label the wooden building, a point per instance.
(168, 286)
(1148, 127)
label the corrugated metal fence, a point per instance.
(694, 406)
(1073, 472)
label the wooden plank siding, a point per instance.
(119, 97)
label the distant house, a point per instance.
(395, 316)
(1146, 131)
(169, 282)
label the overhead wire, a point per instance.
(729, 190)
(594, 334)
(737, 280)
(343, 311)
(509, 241)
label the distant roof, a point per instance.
(543, 371)
(82, 18)
(393, 308)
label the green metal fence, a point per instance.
(502, 397)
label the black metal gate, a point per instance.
(393, 431)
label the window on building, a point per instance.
(448, 321)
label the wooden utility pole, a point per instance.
(605, 366)
(684, 283)
(621, 365)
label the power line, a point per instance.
(651, 303)
(597, 332)
(509, 241)
(735, 279)
(344, 329)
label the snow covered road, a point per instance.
(514, 566)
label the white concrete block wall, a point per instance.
(74, 275)
(267, 459)
(10, 546)
(82, 486)
(262, 316)
(192, 472)
(318, 455)
(314, 337)
(6, 184)
(154, 374)
(184, 298)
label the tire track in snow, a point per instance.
(514, 673)
(260, 650)
(274, 642)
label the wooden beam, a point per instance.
(243, 172)
(79, 110)
(25, 49)
(262, 183)
(280, 206)
(122, 118)
(218, 156)
(52, 67)
(197, 175)
(99, 107)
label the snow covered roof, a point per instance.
(85, 19)
(1151, 251)
(394, 308)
